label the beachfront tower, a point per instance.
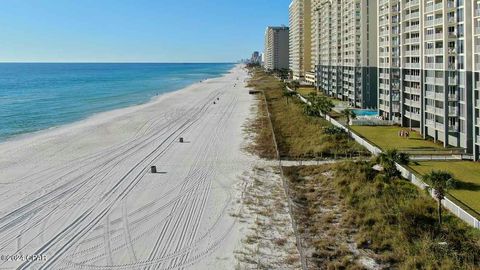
(345, 40)
(425, 68)
(276, 48)
(300, 38)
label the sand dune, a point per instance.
(83, 197)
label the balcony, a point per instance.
(439, 126)
(439, 111)
(438, 65)
(413, 103)
(430, 94)
(412, 40)
(451, 4)
(412, 78)
(412, 65)
(452, 128)
(476, 12)
(430, 122)
(478, 140)
(451, 66)
(439, 81)
(477, 30)
(384, 75)
(411, 3)
(434, 36)
(452, 51)
(430, 109)
(412, 28)
(438, 6)
(412, 115)
(453, 111)
(412, 53)
(452, 80)
(452, 19)
(453, 97)
(451, 35)
(383, 12)
(429, 8)
(410, 16)
(413, 90)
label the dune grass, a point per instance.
(391, 218)
(467, 172)
(300, 136)
(261, 132)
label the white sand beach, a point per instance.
(82, 195)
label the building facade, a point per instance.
(276, 55)
(256, 58)
(300, 38)
(476, 77)
(346, 65)
(425, 64)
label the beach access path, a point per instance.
(82, 196)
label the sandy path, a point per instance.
(83, 197)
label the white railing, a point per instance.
(447, 203)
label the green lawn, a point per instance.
(386, 137)
(468, 172)
(304, 91)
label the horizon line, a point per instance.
(111, 62)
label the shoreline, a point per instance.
(109, 113)
(83, 195)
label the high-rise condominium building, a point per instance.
(256, 58)
(347, 50)
(476, 77)
(425, 68)
(300, 38)
(276, 48)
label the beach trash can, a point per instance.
(153, 169)
(181, 139)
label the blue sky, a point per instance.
(135, 30)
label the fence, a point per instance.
(303, 260)
(447, 203)
(372, 122)
(406, 173)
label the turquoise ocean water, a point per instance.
(35, 97)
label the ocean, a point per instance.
(35, 97)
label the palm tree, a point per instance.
(288, 94)
(295, 84)
(349, 114)
(441, 182)
(318, 105)
(388, 159)
(325, 104)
